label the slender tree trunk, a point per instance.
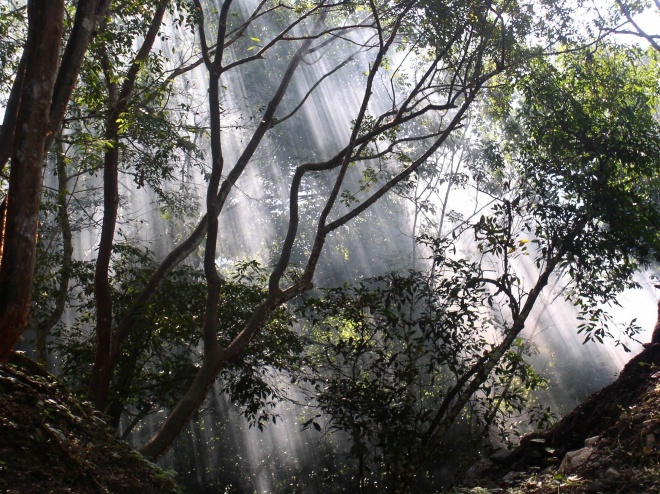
(45, 25)
(214, 358)
(104, 360)
(655, 337)
(98, 392)
(44, 327)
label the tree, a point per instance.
(36, 105)
(417, 67)
(390, 353)
(579, 168)
(577, 155)
(626, 20)
(161, 357)
(118, 99)
(382, 27)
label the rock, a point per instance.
(500, 455)
(477, 470)
(573, 459)
(511, 477)
(650, 440)
(591, 441)
(612, 473)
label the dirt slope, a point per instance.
(50, 443)
(621, 424)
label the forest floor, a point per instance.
(613, 439)
(51, 443)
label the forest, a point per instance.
(361, 243)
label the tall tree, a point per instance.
(119, 96)
(36, 106)
(474, 36)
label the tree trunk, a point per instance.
(44, 327)
(105, 358)
(655, 337)
(214, 360)
(99, 383)
(45, 24)
(37, 104)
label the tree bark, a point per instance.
(36, 108)
(88, 13)
(45, 26)
(11, 113)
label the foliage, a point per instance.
(161, 358)
(573, 178)
(12, 37)
(389, 351)
(156, 140)
(585, 141)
